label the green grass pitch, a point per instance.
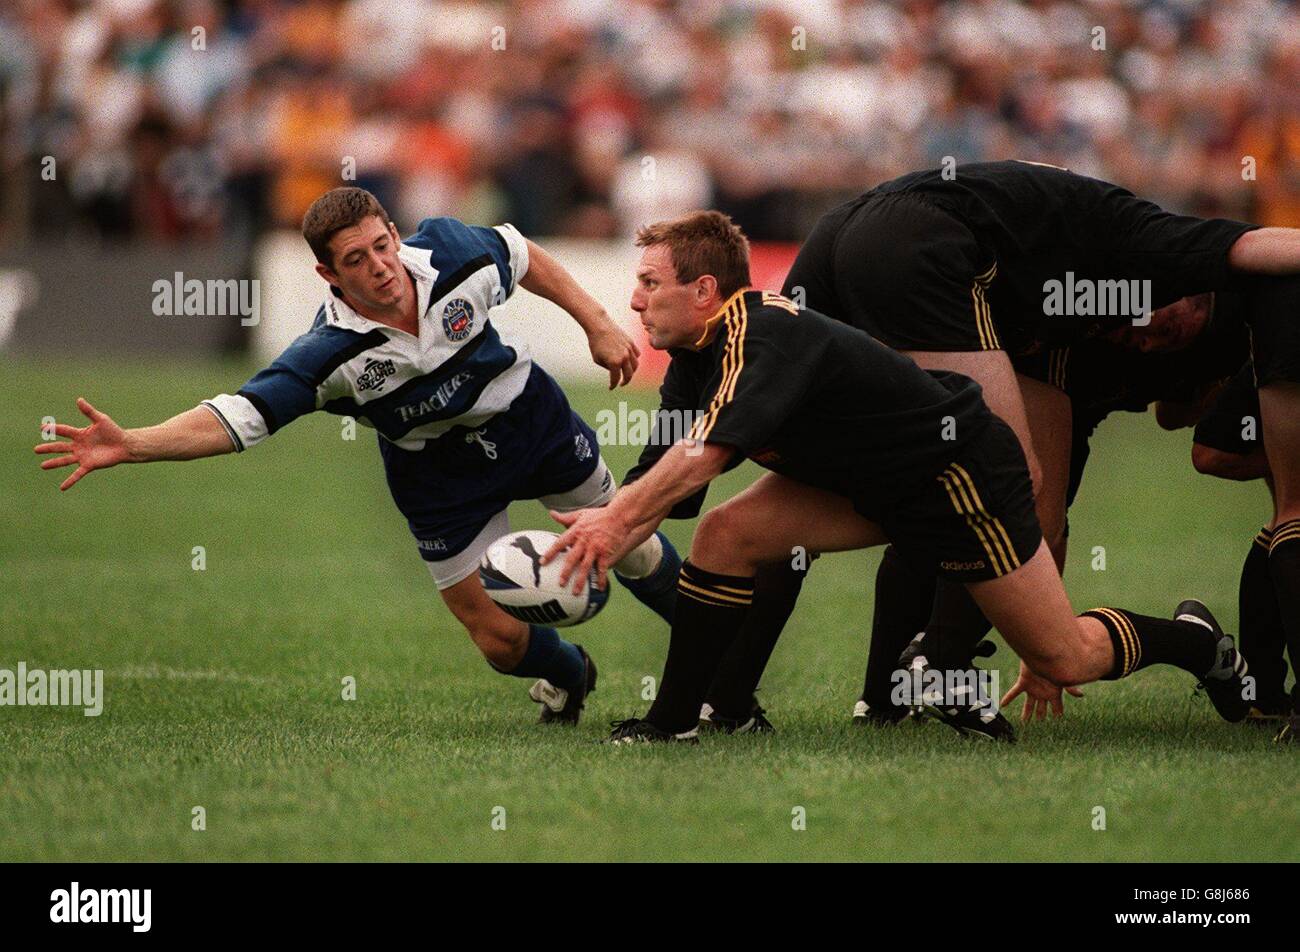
(223, 686)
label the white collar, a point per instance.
(340, 313)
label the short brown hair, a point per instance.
(337, 209)
(702, 243)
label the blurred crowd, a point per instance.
(199, 119)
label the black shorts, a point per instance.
(1233, 418)
(975, 521)
(907, 272)
(1273, 315)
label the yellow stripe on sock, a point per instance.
(710, 593)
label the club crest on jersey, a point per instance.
(374, 374)
(458, 319)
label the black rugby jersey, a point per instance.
(816, 400)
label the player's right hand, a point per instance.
(1039, 695)
(98, 446)
(614, 350)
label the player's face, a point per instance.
(665, 307)
(1173, 327)
(366, 265)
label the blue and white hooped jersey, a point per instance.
(458, 371)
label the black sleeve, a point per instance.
(767, 367)
(678, 398)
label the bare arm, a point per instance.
(1267, 251)
(599, 538)
(193, 434)
(611, 348)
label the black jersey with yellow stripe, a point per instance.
(817, 400)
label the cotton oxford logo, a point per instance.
(458, 319)
(374, 374)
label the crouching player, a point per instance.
(865, 448)
(467, 423)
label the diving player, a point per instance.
(467, 422)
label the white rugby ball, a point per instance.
(515, 578)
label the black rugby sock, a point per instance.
(1141, 640)
(904, 600)
(710, 611)
(1262, 640)
(1284, 567)
(776, 589)
(955, 627)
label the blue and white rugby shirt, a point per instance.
(411, 389)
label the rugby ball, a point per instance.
(514, 577)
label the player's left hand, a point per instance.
(1039, 694)
(594, 540)
(614, 350)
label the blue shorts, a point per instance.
(454, 491)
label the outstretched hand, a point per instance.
(1039, 694)
(98, 446)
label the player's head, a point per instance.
(355, 243)
(1172, 327)
(689, 267)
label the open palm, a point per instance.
(98, 446)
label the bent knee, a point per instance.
(720, 531)
(501, 640)
(1209, 461)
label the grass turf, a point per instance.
(224, 685)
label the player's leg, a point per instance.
(1031, 610)
(454, 493)
(981, 531)
(1273, 304)
(1227, 444)
(904, 601)
(1280, 407)
(761, 525)
(563, 672)
(1050, 420)
(731, 704)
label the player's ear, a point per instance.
(392, 233)
(327, 273)
(705, 288)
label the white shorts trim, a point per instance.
(461, 566)
(596, 490)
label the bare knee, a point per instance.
(722, 542)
